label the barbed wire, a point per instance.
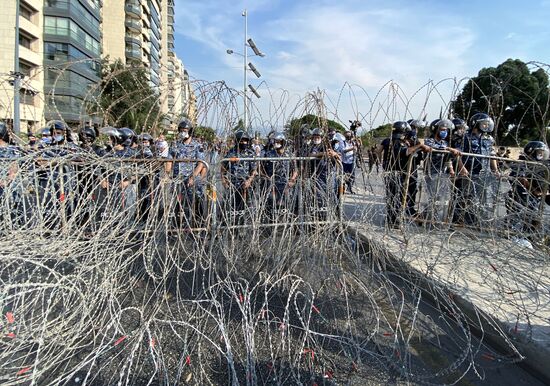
(103, 284)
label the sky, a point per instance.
(373, 59)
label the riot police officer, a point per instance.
(238, 177)
(56, 175)
(397, 165)
(529, 190)
(9, 191)
(473, 205)
(437, 165)
(186, 174)
(281, 176)
(87, 137)
(119, 194)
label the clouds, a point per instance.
(324, 44)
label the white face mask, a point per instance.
(317, 141)
(183, 135)
(308, 141)
(278, 145)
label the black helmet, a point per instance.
(482, 122)
(241, 134)
(127, 136)
(537, 151)
(433, 125)
(460, 126)
(399, 128)
(186, 124)
(4, 132)
(87, 134)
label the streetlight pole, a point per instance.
(245, 57)
(17, 75)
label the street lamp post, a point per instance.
(245, 57)
(248, 43)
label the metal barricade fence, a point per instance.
(83, 193)
(512, 201)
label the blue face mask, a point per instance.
(443, 134)
(58, 138)
(46, 140)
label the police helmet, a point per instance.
(185, 124)
(416, 124)
(240, 135)
(59, 126)
(279, 137)
(4, 132)
(112, 133)
(145, 137)
(317, 132)
(433, 125)
(127, 136)
(537, 151)
(460, 126)
(445, 124)
(399, 128)
(87, 134)
(482, 122)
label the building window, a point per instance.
(25, 12)
(25, 41)
(26, 68)
(64, 27)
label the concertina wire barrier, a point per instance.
(83, 194)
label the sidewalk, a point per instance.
(508, 285)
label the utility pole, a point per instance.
(16, 75)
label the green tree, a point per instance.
(206, 133)
(127, 98)
(517, 98)
(313, 121)
(370, 137)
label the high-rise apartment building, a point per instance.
(148, 30)
(30, 62)
(62, 42)
(72, 49)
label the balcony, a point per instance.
(133, 25)
(132, 40)
(133, 53)
(133, 10)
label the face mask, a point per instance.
(443, 134)
(32, 142)
(243, 145)
(183, 135)
(58, 138)
(308, 142)
(278, 145)
(539, 156)
(317, 141)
